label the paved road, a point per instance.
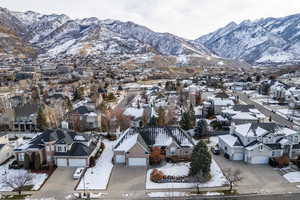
(244, 197)
(275, 117)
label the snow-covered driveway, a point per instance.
(96, 178)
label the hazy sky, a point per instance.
(186, 18)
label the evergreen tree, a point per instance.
(192, 116)
(185, 122)
(201, 161)
(161, 117)
(41, 119)
(26, 161)
(37, 161)
(78, 94)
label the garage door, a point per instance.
(77, 162)
(61, 162)
(259, 160)
(120, 158)
(137, 161)
(238, 156)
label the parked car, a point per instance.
(78, 173)
(215, 150)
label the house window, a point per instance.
(173, 150)
(273, 153)
(47, 148)
(59, 149)
(146, 153)
(21, 156)
(296, 139)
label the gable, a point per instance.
(138, 148)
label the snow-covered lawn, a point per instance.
(178, 169)
(37, 179)
(181, 169)
(292, 177)
(96, 178)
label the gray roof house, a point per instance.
(134, 145)
(62, 147)
(255, 143)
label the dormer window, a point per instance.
(261, 147)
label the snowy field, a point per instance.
(292, 177)
(96, 178)
(181, 169)
(37, 179)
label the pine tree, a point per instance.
(201, 161)
(41, 119)
(185, 122)
(192, 116)
(26, 161)
(161, 117)
(37, 161)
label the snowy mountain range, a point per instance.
(54, 35)
(264, 41)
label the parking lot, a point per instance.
(257, 178)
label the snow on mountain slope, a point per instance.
(264, 41)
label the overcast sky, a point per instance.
(185, 18)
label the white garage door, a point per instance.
(238, 156)
(137, 161)
(120, 158)
(77, 162)
(61, 162)
(259, 160)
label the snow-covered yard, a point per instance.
(96, 178)
(181, 169)
(37, 179)
(292, 177)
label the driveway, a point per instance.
(257, 178)
(127, 182)
(59, 185)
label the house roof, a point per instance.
(26, 110)
(83, 110)
(77, 149)
(230, 140)
(153, 136)
(243, 108)
(59, 136)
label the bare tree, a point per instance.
(17, 181)
(233, 176)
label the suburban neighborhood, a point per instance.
(93, 107)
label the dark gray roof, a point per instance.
(83, 110)
(77, 149)
(243, 108)
(1, 146)
(274, 146)
(270, 127)
(59, 136)
(26, 110)
(296, 146)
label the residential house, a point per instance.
(25, 118)
(84, 118)
(255, 143)
(134, 146)
(62, 147)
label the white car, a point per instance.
(78, 172)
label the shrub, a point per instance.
(156, 175)
(283, 161)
